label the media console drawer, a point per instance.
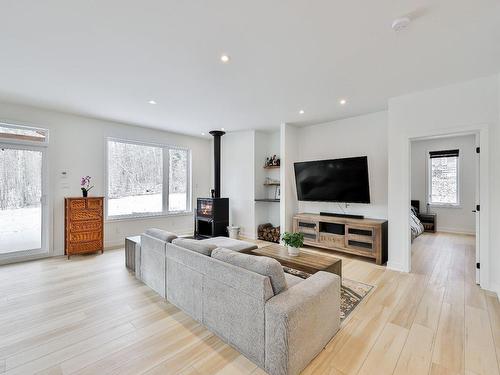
(363, 237)
(335, 240)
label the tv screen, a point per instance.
(336, 180)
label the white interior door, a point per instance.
(23, 203)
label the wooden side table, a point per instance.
(428, 221)
(133, 254)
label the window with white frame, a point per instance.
(146, 179)
(444, 177)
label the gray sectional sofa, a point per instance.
(279, 321)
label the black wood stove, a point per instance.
(212, 214)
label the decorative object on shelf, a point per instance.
(277, 193)
(294, 241)
(212, 193)
(268, 232)
(85, 185)
(273, 161)
(271, 182)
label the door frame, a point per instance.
(45, 249)
(481, 131)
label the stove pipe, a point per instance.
(217, 134)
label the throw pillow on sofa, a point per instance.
(262, 265)
(195, 245)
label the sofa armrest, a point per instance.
(300, 322)
(153, 263)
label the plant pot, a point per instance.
(85, 193)
(293, 251)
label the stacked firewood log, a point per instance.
(268, 232)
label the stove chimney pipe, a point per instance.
(217, 134)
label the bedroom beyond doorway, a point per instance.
(444, 185)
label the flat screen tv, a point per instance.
(337, 180)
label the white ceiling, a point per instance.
(108, 58)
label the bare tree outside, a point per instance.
(136, 178)
(20, 194)
(444, 180)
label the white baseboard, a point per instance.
(456, 231)
(116, 243)
(250, 236)
(396, 266)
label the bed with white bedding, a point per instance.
(416, 226)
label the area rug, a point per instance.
(351, 292)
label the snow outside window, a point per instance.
(443, 177)
(146, 180)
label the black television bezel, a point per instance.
(327, 160)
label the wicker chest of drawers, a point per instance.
(84, 229)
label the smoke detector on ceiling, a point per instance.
(400, 24)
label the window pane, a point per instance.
(22, 133)
(444, 180)
(178, 181)
(20, 194)
(135, 178)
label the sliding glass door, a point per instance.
(23, 208)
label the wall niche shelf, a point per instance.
(272, 184)
(268, 200)
(271, 167)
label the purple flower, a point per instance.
(85, 183)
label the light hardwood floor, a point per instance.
(88, 315)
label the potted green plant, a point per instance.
(294, 241)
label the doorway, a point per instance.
(23, 203)
(444, 191)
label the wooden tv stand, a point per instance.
(364, 237)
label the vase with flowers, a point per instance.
(85, 185)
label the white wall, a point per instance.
(77, 146)
(459, 219)
(356, 136)
(289, 146)
(238, 179)
(450, 109)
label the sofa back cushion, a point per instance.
(161, 234)
(195, 245)
(262, 265)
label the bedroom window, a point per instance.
(146, 179)
(444, 178)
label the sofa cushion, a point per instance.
(262, 265)
(195, 245)
(231, 244)
(161, 234)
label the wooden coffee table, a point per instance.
(306, 261)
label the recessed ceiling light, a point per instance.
(222, 129)
(225, 59)
(400, 24)
(343, 102)
(202, 133)
(301, 112)
(152, 102)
